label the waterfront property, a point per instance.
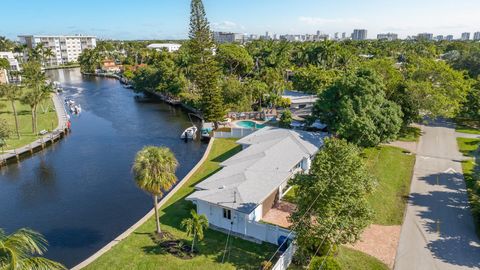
(6, 76)
(236, 198)
(65, 49)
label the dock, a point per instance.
(44, 141)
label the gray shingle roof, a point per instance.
(254, 173)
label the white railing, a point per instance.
(286, 258)
(234, 133)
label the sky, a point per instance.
(168, 19)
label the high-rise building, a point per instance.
(465, 36)
(65, 49)
(425, 36)
(387, 36)
(439, 38)
(449, 37)
(476, 36)
(336, 36)
(227, 37)
(359, 34)
(344, 35)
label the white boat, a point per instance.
(189, 133)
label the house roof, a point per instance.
(250, 176)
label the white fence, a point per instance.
(266, 232)
(286, 258)
(234, 133)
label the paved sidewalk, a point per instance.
(438, 230)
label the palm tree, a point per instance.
(154, 171)
(19, 250)
(47, 54)
(195, 226)
(12, 93)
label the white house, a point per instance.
(170, 47)
(11, 57)
(301, 103)
(250, 182)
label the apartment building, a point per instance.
(7, 75)
(425, 36)
(227, 37)
(169, 47)
(465, 36)
(476, 36)
(387, 36)
(66, 49)
(359, 34)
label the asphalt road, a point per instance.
(438, 230)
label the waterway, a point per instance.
(80, 192)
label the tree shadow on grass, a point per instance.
(228, 154)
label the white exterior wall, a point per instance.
(66, 48)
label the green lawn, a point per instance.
(471, 172)
(393, 169)
(355, 260)
(467, 126)
(47, 118)
(409, 134)
(138, 251)
(350, 259)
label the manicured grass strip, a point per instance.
(393, 169)
(138, 251)
(355, 260)
(471, 173)
(467, 126)
(409, 134)
(47, 118)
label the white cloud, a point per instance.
(317, 21)
(227, 25)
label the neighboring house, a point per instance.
(169, 47)
(111, 66)
(301, 104)
(238, 196)
(6, 75)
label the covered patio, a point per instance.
(279, 214)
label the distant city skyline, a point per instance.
(168, 19)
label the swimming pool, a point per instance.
(249, 124)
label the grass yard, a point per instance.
(471, 173)
(467, 126)
(138, 251)
(393, 169)
(355, 260)
(47, 118)
(409, 134)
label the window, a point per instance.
(227, 213)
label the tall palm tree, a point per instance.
(20, 250)
(47, 55)
(12, 93)
(154, 171)
(195, 226)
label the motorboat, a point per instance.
(189, 133)
(207, 128)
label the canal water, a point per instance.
(80, 193)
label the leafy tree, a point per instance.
(332, 206)
(236, 95)
(471, 107)
(388, 71)
(205, 69)
(20, 250)
(4, 131)
(12, 93)
(325, 263)
(195, 226)
(286, 119)
(355, 108)
(257, 89)
(6, 45)
(4, 64)
(37, 89)
(439, 89)
(90, 60)
(146, 77)
(409, 105)
(313, 80)
(234, 59)
(154, 171)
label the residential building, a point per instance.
(344, 35)
(476, 36)
(449, 37)
(6, 75)
(301, 104)
(237, 197)
(110, 66)
(227, 37)
(359, 34)
(65, 49)
(425, 36)
(439, 38)
(465, 36)
(387, 36)
(169, 47)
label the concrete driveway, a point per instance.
(438, 230)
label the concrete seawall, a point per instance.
(47, 139)
(135, 226)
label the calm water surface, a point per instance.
(79, 193)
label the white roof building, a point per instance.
(169, 47)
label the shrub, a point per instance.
(325, 262)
